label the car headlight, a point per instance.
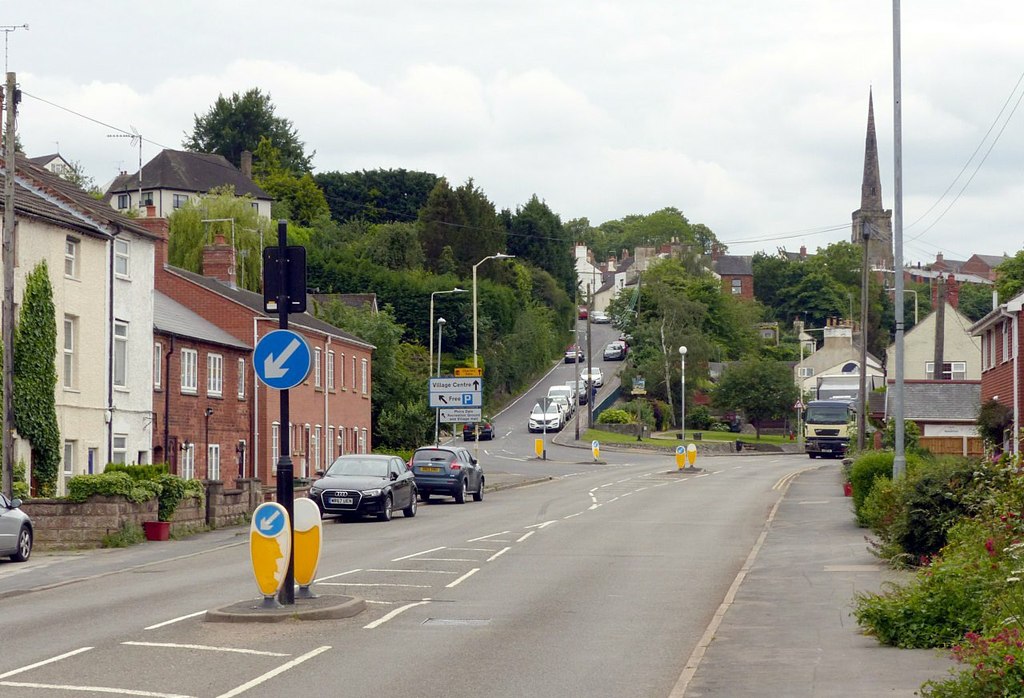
(372, 493)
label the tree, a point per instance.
(761, 390)
(536, 235)
(462, 219)
(80, 179)
(35, 378)
(376, 195)
(1011, 276)
(237, 123)
(975, 300)
(297, 198)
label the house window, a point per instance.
(158, 365)
(69, 458)
(805, 371)
(330, 370)
(275, 443)
(180, 200)
(122, 257)
(737, 287)
(189, 370)
(214, 375)
(120, 354)
(329, 447)
(147, 199)
(316, 368)
(213, 462)
(355, 440)
(951, 370)
(71, 258)
(365, 377)
(119, 453)
(241, 379)
(991, 349)
(123, 201)
(363, 442)
(188, 461)
(1006, 341)
(353, 373)
(341, 440)
(341, 367)
(70, 325)
(315, 461)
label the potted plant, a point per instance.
(171, 492)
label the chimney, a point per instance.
(952, 291)
(219, 261)
(938, 260)
(246, 164)
(803, 252)
(716, 252)
(159, 227)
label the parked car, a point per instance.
(365, 484)
(451, 471)
(583, 312)
(599, 317)
(549, 419)
(564, 391)
(615, 351)
(580, 388)
(16, 532)
(596, 375)
(486, 428)
(574, 354)
(567, 406)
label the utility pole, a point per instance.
(862, 401)
(12, 97)
(938, 366)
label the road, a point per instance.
(598, 582)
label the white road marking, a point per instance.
(206, 648)
(475, 550)
(624, 480)
(422, 552)
(447, 559)
(816, 501)
(541, 525)
(572, 516)
(625, 494)
(606, 485)
(274, 672)
(525, 536)
(340, 574)
(93, 689)
(593, 506)
(59, 657)
(463, 578)
(489, 535)
(498, 554)
(175, 620)
(401, 609)
(367, 584)
(414, 571)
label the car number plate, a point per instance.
(340, 500)
(429, 469)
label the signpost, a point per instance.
(595, 448)
(459, 399)
(465, 372)
(460, 415)
(281, 360)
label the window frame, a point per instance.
(189, 364)
(119, 446)
(70, 354)
(122, 258)
(317, 377)
(215, 375)
(330, 370)
(72, 246)
(241, 379)
(213, 461)
(120, 363)
(158, 365)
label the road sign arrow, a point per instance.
(476, 385)
(272, 365)
(267, 524)
(443, 399)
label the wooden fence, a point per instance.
(970, 446)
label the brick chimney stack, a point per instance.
(803, 252)
(952, 291)
(246, 164)
(219, 261)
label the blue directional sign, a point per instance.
(282, 359)
(269, 521)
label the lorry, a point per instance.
(827, 428)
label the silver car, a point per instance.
(15, 530)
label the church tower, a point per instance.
(871, 217)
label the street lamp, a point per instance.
(682, 391)
(437, 412)
(430, 343)
(500, 255)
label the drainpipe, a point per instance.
(110, 351)
(167, 402)
(327, 410)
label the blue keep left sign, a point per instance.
(282, 359)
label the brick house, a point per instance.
(329, 411)
(201, 389)
(983, 265)
(1001, 371)
(736, 273)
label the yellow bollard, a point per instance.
(691, 454)
(595, 448)
(680, 457)
(538, 447)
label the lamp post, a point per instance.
(430, 343)
(437, 412)
(500, 255)
(682, 391)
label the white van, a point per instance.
(566, 392)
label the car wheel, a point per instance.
(24, 545)
(385, 512)
(410, 511)
(460, 494)
(478, 496)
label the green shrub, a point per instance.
(699, 418)
(995, 667)
(149, 471)
(867, 468)
(81, 487)
(615, 416)
(20, 488)
(934, 499)
(128, 534)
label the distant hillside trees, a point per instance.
(377, 196)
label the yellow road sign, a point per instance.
(309, 534)
(464, 372)
(270, 546)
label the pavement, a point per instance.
(786, 627)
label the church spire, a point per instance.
(871, 189)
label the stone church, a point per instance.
(871, 219)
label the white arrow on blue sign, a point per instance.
(282, 359)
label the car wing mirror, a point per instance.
(394, 475)
(319, 473)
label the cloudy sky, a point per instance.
(747, 115)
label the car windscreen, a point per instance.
(359, 466)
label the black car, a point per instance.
(451, 471)
(469, 430)
(364, 484)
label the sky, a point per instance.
(749, 116)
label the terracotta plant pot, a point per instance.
(157, 530)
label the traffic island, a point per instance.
(322, 607)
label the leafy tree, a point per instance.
(376, 195)
(993, 421)
(394, 246)
(237, 123)
(761, 390)
(188, 234)
(297, 198)
(975, 300)
(1011, 277)
(77, 177)
(462, 219)
(35, 378)
(536, 235)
